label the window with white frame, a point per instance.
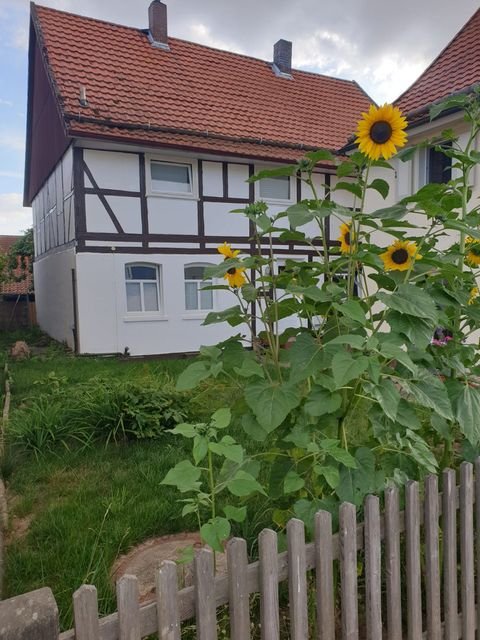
(275, 188)
(195, 298)
(142, 281)
(172, 178)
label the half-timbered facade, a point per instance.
(139, 146)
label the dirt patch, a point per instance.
(18, 528)
(143, 561)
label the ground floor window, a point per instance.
(143, 287)
(195, 298)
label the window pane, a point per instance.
(170, 177)
(277, 188)
(439, 167)
(194, 273)
(134, 301)
(206, 298)
(191, 296)
(150, 296)
(140, 272)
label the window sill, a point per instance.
(196, 316)
(145, 317)
(177, 196)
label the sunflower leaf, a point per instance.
(381, 186)
(351, 187)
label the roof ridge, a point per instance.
(439, 55)
(237, 54)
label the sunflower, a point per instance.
(400, 255)
(346, 237)
(381, 132)
(474, 293)
(473, 254)
(234, 276)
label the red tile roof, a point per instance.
(20, 280)
(191, 96)
(456, 68)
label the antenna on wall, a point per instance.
(82, 98)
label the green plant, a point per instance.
(205, 482)
(378, 380)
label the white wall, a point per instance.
(54, 294)
(105, 326)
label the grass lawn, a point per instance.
(72, 512)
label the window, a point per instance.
(195, 298)
(439, 166)
(277, 188)
(167, 177)
(143, 288)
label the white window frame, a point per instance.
(188, 162)
(143, 314)
(293, 192)
(198, 313)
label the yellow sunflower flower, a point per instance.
(473, 253)
(346, 238)
(474, 293)
(235, 277)
(400, 255)
(381, 132)
(226, 250)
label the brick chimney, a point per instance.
(157, 24)
(282, 58)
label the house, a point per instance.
(139, 145)
(17, 308)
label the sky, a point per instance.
(382, 44)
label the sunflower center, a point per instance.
(346, 238)
(380, 132)
(232, 271)
(475, 249)
(400, 256)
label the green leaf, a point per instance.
(184, 476)
(237, 514)
(221, 418)
(432, 394)
(321, 402)
(345, 367)
(355, 484)
(321, 155)
(243, 484)
(381, 186)
(353, 310)
(388, 397)
(407, 154)
(288, 170)
(299, 215)
(271, 403)
(185, 430)
(396, 212)
(346, 169)
(192, 375)
(306, 357)
(468, 413)
(454, 102)
(200, 448)
(253, 429)
(227, 449)
(215, 532)
(233, 316)
(249, 369)
(351, 187)
(352, 340)
(249, 293)
(412, 301)
(331, 475)
(393, 352)
(293, 482)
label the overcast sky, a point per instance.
(383, 45)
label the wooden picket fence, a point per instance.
(416, 577)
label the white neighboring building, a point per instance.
(138, 148)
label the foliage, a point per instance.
(373, 331)
(20, 255)
(99, 410)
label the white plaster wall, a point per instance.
(219, 221)
(106, 327)
(237, 177)
(172, 215)
(54, 294)
(213, 179)
(113, 170)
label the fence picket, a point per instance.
(449, 533)
(167, 601)
(128, 608)
(392, 564)
(324, 576)
(348, 570)
(414, 585)
(477, 538)
(297, 580)
(432, 560)
(466, 551)
(268, 575)
(373, 563)
(85, 613)
(205, 605)
(238, 598)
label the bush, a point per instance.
(98, 410)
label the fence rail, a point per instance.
(420, 569)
